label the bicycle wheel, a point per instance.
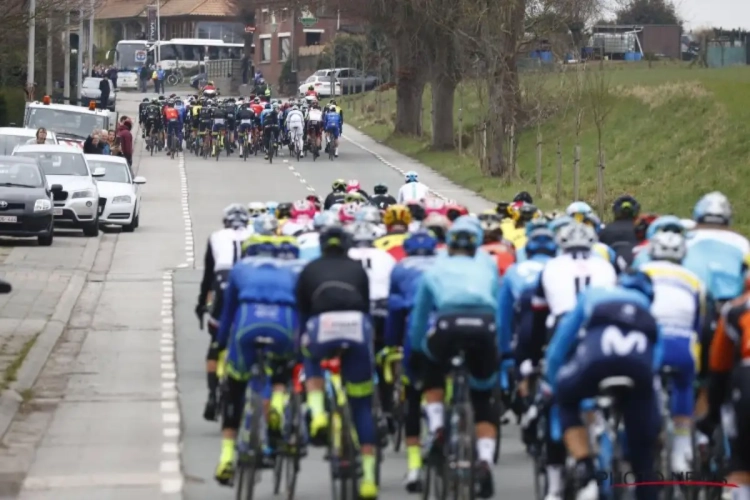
(461, 459)
(294, 443)
(331, 150)
(172, 80)
(399, 406)
(249, 448)
(271, 151)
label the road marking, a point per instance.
(389, 164)
(185, 201)
(170, 467)
(299, 177)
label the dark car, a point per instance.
(26, 200)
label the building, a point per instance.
(126, 20)
(658, 39)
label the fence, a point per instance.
(226, 74)
(719, 54)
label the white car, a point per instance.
(10, 137)
(78, 205)
(121, 191)
(321, 82)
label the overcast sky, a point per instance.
(727, 14)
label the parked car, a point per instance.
(322, 84)
(26, 200)
(10, 137)
(121, 191)
(77, 204)
(90, 92)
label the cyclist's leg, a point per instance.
(230, 422)
(678, 354)
(212, 356)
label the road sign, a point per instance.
(140, 56)
(308, 22)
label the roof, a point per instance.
(119, 9)
(217, 8)
(69, 107)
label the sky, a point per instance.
(728, 14)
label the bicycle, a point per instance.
(294, 439)
(393, 375)
(175, 77)
(244, 144)
(208, 146)
(454, 471)
(329, 146)
(293, 149)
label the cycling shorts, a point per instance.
(333, 130)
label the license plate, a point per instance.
(57, 211)
(8, 218)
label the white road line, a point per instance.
(185, 202)
(299, 177)
(389, 164)
(170, 466)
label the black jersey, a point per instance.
(332, 283)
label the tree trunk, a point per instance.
(443, 97)
(411, 76)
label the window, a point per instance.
(265, 52)
(285, 47)
(265, 16)
(312, 38)
(283, 15)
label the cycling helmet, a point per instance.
(713, 208)
(146, 99)
(557, 224)
(380, 189)
(578, 208)
(332, 107)
(575, 236)
(417, 210)
(315, 200)
(438, 224)
(465, 233)
(265, 224)
(271, 206)
(453, 211)
(626, 206)
(332, 101)
(369, 214)
(667, 246)
(338, 185)
(668, 223)
(284, 210)
(540, 240)
(411, 176)
(639, 281)
(259, 245)
(421, 242)
(434, 205)
(397, 214)
(489, 221)
(334, 237)
(348, 212)
(523, 196)
(362, 234)
(310, 87)
(267, 105)
(354, 197)
(237, 219)
(232, 210)
(353, 185)
(302, 208)
(502, 209)
(256, 208)
(324, 219)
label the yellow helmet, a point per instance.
(397, 214)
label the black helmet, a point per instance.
(334, 237)
(380, 189)
(626, 206)
(146, 99)
(523, 196)
(284, 210)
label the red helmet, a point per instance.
(315, 200)
(303, 208)
(353, 185)
(434, 206)
(453, 211)
(347, 212)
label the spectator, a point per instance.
(105, 142)
(41, 137)
(112, 75)
(116, 148)
(104, 90)
(143, 78)
(126, 140)
(93, 145)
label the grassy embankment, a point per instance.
(673, 133)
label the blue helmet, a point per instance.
(579, 208)
(411, 176)
(265, 224)
(325, 219)
(713, 208)
(421, 242)
(465, 233)
(639, 281)
(556, 224)
(540, 239)
(668, 223)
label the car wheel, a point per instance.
(45, 240)
(91, 229)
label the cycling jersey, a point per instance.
(171, 114)
(378, 263)
(719, 257)
(731, 342)
(392, 243)
(412, 192)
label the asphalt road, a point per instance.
(213, 185)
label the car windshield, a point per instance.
(19, 174)
(59, 163)
(91, 83)
(115, 172)
(65, 122)
(9, 142)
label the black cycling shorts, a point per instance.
(740, 444)
(217, 290)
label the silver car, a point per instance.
(90, 92)
(78, 204)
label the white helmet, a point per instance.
(363, 233)
(370, 214)
(256, 208)
(666, 245)
(575, 236)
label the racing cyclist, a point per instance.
(333, 127)
(337, 194)
(174, 124)
(295, 123)
(381, 198)
(246, 120)
(396, 219)
(412, 190)
(270, 121)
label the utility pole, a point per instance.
(158, 31)
(49, 56)
(91, 40)
(32, 46)
(66, 49)
(79, 69)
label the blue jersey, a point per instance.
(256, 280)
(719, 258)
(332, 120)
(518, 278)
(598, 309)
(263, 115)
(482, 255)
(405, 279)
(454, 284)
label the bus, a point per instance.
(131, 55)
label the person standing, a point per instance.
(144, 75)
(104, 89)
(93, 145)
(126, 141)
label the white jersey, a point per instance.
(679, 297)
(226, 246)
(315, 115)
(295, 118)
(414, 225)
(380, 230)
(412, 191)
(567, 275)
(378, 263)
(292, 227)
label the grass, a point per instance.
(673, 134)
(10, 373)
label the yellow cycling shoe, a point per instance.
(368, 490)
(319, 429)
(225, 472)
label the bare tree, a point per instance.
(600, 102)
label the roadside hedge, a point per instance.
(12, 104)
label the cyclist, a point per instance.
(246, 119)
(259, 302)
(301, 219)
(230, 108)
(142, 106)
(311, 94)
(209, 90)
(218, 122)
(223, 251)
(256, 208)
(153, 119)
(609, 333)
(337, 194)
(332, 126)
(457, 301)
(333, 297)
(381, 198)
(619, 235)
(396, 219)
(412, 190)
(679, 302)
(314, 124)
(438, 225)
(494, 244)
(174, 123)
(561, 280)
(405, 277)
(270, 122)
(295, 122)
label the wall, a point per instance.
(720, 56)
(662, 39)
